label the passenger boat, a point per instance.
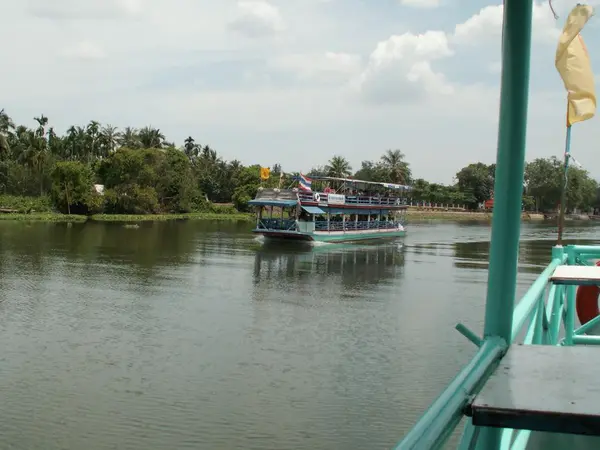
(341, 210)
(533, 381)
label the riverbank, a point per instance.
(422, 214)
(164, 217)
(413, 214)
(127, 218)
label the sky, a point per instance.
(293, 82)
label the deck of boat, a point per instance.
(553, 389)
(541, 394)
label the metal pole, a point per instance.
(563, 193)
(508, 188)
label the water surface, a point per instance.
(196, 335)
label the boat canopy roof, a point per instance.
(313, 210)
(399, 187)
(273, 202)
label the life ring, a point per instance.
(317, 197)
(586, 302)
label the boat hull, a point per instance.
(332, 236)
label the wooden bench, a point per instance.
(576, 275)
(542, 388)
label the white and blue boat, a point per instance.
(342, 210)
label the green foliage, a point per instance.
(176, 186)
(43, 217)
(72, 188)
(131, 199)
(338, 167)
(144, 174)
(391, 168)
(26, 204)
(478, 180)
(162, 180)
(248, 182)
(371, 171)
(544, 178)
(424, 191)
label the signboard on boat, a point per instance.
(336, 199)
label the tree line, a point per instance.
(143, 173)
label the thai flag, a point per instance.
(305, 183)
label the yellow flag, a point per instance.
(573, 65)
(265, 172)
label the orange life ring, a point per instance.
(586, 302)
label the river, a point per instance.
(182, 335)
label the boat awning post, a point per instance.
(510, 164)
(508, 187)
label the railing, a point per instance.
(321, 225)
(547, 315)
(277, 224)
(361, 200)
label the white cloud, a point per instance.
(325, 67)
(495, 67)
(84, 50)
(84, 9)
(399, 68)
(257, 18)
(349, 74)
(487, 23)
(425, 4)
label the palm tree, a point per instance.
(129, 138)
(93, 131)
(191, 149)
(396, 167)
(338, 167)
(6, 128)
(109, 137)
(41, 129)
(151, 137)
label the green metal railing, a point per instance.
(546, 309)
(546, 314)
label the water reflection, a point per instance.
(353, 266)
(535, 246)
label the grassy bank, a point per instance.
(420, 214)
(165, 217)
(40, 209)
(42, 217)
(413, 215)
(129, 218)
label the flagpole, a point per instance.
(563, 194)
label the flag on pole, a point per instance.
(305, 183)
(573, 64)
(265, 173)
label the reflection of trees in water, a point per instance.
(355, 265)
(145, 250)
(471, 255)
(534, 255)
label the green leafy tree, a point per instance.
(372, 171)
(72, 188)
(478, 180)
